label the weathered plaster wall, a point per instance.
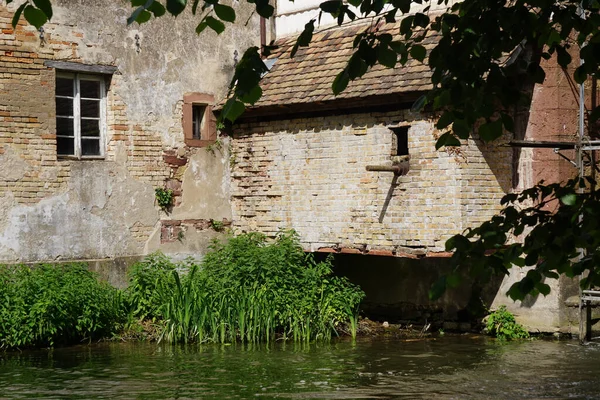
(310, 174)
(55, 208)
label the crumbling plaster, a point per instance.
(91, 219)
(69, 209)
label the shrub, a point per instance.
(502, 324)
(251, 290)
(151, 285)
(46, 304)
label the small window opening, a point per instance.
(198, 111)
(401, 140)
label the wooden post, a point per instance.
(582, 325)
(588, 320)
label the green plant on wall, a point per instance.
(164, 197)
(218, 226)
(502, 324)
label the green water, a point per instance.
(443, 368)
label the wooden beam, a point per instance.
(78, 67)
(542, 144)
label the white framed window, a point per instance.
(80, 115)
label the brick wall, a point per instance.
(310, 174)
(62, 208)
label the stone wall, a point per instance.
(310, 174)
(56, 208)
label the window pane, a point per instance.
(89, 89)
(90, 127)
(64, 106)
(90, 108)
(90, 147)
(64, 126)
(65, 146)
(197, 120)
(64, 87)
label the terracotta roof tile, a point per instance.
(309, 75)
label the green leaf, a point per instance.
(453, 280)
(491, 130)
(386, 56)
(437, 289)
(447, 139)
(144, 16)
(264, 9)
(340, 82)
(45, 6)
(175, 7)
(201, 26)
(17, 16)
(461, 128)
(35, 16)
(418, 52)
(446, 119)
(253, 95)
(215, 24)
(304, 38)
(421, 20)
(569, 199)
(224, 12)
(331, 7)
(233, 109)
(580, 74)
(157, 9)
(563, 57)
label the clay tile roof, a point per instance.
(308, 77)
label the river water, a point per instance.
(449, 367)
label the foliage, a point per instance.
(151, 284)
(486, 53)
(560, 231)
(502, 324)
(250, 290)
(164, 197)
(218, 226)
(44, 305)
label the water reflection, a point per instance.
(445, 368)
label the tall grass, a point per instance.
(44, 305)
(251, 291)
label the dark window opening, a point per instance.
(198, 112)
(401, 140)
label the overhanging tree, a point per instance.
(487, 51)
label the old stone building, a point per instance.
(305, 159)
(95, 115)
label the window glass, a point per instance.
(64, 86)
(65, 146)
(90, 147)
(197, 120)
(90, 108)
(89, 89)
(64, 126)
(90, 127)
(64, 107)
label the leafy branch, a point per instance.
(558, 228)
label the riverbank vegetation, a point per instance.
(46, 305)
(246, 289)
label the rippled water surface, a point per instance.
(442, 368)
